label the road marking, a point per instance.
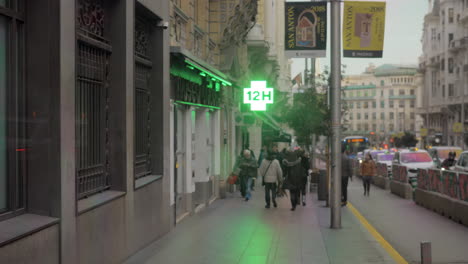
(390, 250)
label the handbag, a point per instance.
(263, 177)
(232, 179)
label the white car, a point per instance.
(462, 162)
(386, 158)
(413, 159)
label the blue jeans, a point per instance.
(248, 186)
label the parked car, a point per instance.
(439, 154)
(374, 153)
(386, 158)
(462, 162)
(413, 159)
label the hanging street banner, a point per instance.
(363, 29)
(306, 29)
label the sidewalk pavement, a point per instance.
(234, 231)
(404, 224)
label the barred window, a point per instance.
(143, 66)
(12, 110)
(92, 100)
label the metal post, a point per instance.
(426, 254)
(335, 92)
(463, 113)
(312, 156)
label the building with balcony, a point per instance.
(380, 102)
(444, 67)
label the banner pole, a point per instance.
(335, 92)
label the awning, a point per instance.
(268, 119)
(201, 65)
(275, 133)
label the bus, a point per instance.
(355, 144)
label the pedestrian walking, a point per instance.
(294, 174)
(368, 170)
(263, 155)
(346, 174)
(272, 177)
(449, 162)
(305, 162)
(246, 168)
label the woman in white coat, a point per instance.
(270, 170)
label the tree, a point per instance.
(310, 113)
(406, 140)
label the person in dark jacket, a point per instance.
(263, 155)
(346, 174)
(449, 162)
(246, 168)
(294, 174)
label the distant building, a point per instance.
(444, 66)
(381, 101)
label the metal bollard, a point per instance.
(426, 255)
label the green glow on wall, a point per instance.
(201, 105)
(258, 95)
(225, 82)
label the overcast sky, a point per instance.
(403, 32)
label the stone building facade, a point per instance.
(381, 101)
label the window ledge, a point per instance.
(94, 201)
(23, 225)
(143, 181)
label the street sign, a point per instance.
(306, 29)
(457, 127)
(423, 132)
(363, 29)
(258, 95)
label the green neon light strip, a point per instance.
(209, 73)
(201, 105)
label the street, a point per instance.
(404, 225)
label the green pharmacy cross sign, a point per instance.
(258, 95)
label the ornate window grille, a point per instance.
(92, 100)
(143, 66)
